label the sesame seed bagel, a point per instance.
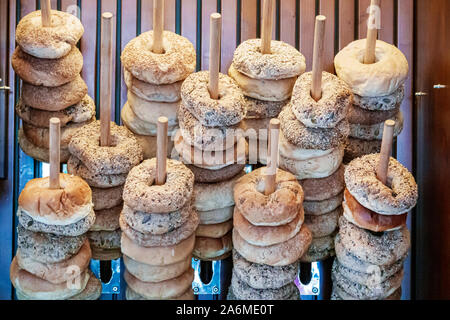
(260, 276)
(78, 113)
(104, 254)
(141, 194)
(311, 138)
(170, 238)
(122, 154)
(275, 209)
(148, 273)
(54, 98)
(355, 148)
(284, 61)
(107, 219)
(288, 150)
(375, 131)
(212, 176)
(331, 108)
(228, 110)
(256, 128)
(59, 272)
(50, 42)
(357, 115)
(259, 109)
(324, 224)
(339, 294)
(212, 249)
(175, 64)
(267, 236)
(47, 72)
(381, 78)
(77, 168)
(381, 103)
(106, 198)
(152, 92)
(317, 208)
(397, 197)
(320, 249)
(155, 223)
(217, 230)
(104, 240)
(216, 216)
(324, 188)
(279, 254)
(376, 248)
(265, 90)
(314, 168)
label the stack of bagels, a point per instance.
(105, 169)
(53, 255)
(49, 64)
(154, 82)
(158, 225)
(373, 239)
(266, 81)
(210, 143)
(378, 90)
(269, 237)
(311, 144)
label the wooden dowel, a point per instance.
(386, 149)
(54, 146)
(272, 157)
(158, 26)
(372, 33)
(105, 78)
(161, 150)
(266, 34)
(214, 54)
(46, 13)
(317, 67)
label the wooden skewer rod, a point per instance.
(158, 26)
(266, 35)
(214, 54)
(386, 149)
(55, 136)
(317, 68)
(161, 150)
(272, 156)
(46, 13)
(105, 79)
(372, 33)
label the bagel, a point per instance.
(369, 220)
(60, 272)
(47, 72)
(215, 216)
(103, 254)
(324, 224)
(122, 154)
(150, 111)
(355, 148)
(66, 205)
(314, 168)
(104, 240)
(77, 168)
(175, 64)
(397, 197)
(340, 294)
(148, 273)
(156, 223)
(78, 113)
(152, 92)
(283, 62)
(107, 219)
(49, 42)
(167, 289)
(295, 295)
(278, 208)
(149, 146)
(141, 194)
(288, 150)
(267, 236)
(311, 138)
(259, 109)
(329, 110)
(158, 256)
(375, 131)
(227, 110)
(211, 249)
(107, 198)
(381, 78)
(212, 176)
(131, 295)
(217, 230)
(375, 248)
(256, 128)
(381, 103)
(320, 249)
(317, 208)
(279, 254)
(215, 196)
(324, 188)
(263, 89)
(357, 115)
(92, 291)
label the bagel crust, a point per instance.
(258, 109)
(278, 208)
(375, 131)
(397, 197)
(382, 103)
(324, 188)
(141, 194)
(331, 108)
(284, 61)
(175, 64)
(357, 115)
(211, 249)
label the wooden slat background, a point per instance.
(346, 21)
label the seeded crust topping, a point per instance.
(258, 109)
(382, 103)
(375, 131)
(283, 62)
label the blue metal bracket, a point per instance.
(114, 284)
(213, 287)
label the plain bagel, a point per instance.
(212, 176)
(217, 230)
(324, 224)
(317, 208)
(213, 249)
(107, 198)
(324, 188)
(357, 115)
(216, 216)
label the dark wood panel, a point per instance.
(229, 26)
(248, 19)
(307, 17)
(288, 21)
